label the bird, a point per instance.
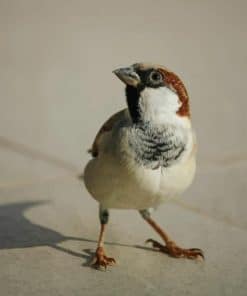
(144, 154)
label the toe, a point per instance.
(154, 244)
(193, 253)
(112, 260)
(174, 251)
(197, 253)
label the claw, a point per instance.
(174, 251)
(101, 260)
(195, 249)
(154, 243)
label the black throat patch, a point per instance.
(132, 96)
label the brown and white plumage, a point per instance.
(106, 127)
(144, 154)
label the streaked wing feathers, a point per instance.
(106, 127)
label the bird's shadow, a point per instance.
(16, 231)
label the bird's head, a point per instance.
(154, 93)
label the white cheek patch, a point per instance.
(157, 103)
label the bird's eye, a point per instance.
(155, 77)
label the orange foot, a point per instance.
(101, 260)
(174, 251)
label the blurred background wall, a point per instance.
(57, 57)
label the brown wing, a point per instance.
(106, 127)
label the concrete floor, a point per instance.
(56, 89)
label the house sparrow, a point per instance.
(144, 154)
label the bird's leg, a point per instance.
(170, 246)
(100, 258)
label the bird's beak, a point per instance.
(128, 75)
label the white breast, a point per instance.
(128, 186)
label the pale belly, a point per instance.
(116, 186)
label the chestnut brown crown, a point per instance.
(141, 75)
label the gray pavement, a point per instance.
(56, 89)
